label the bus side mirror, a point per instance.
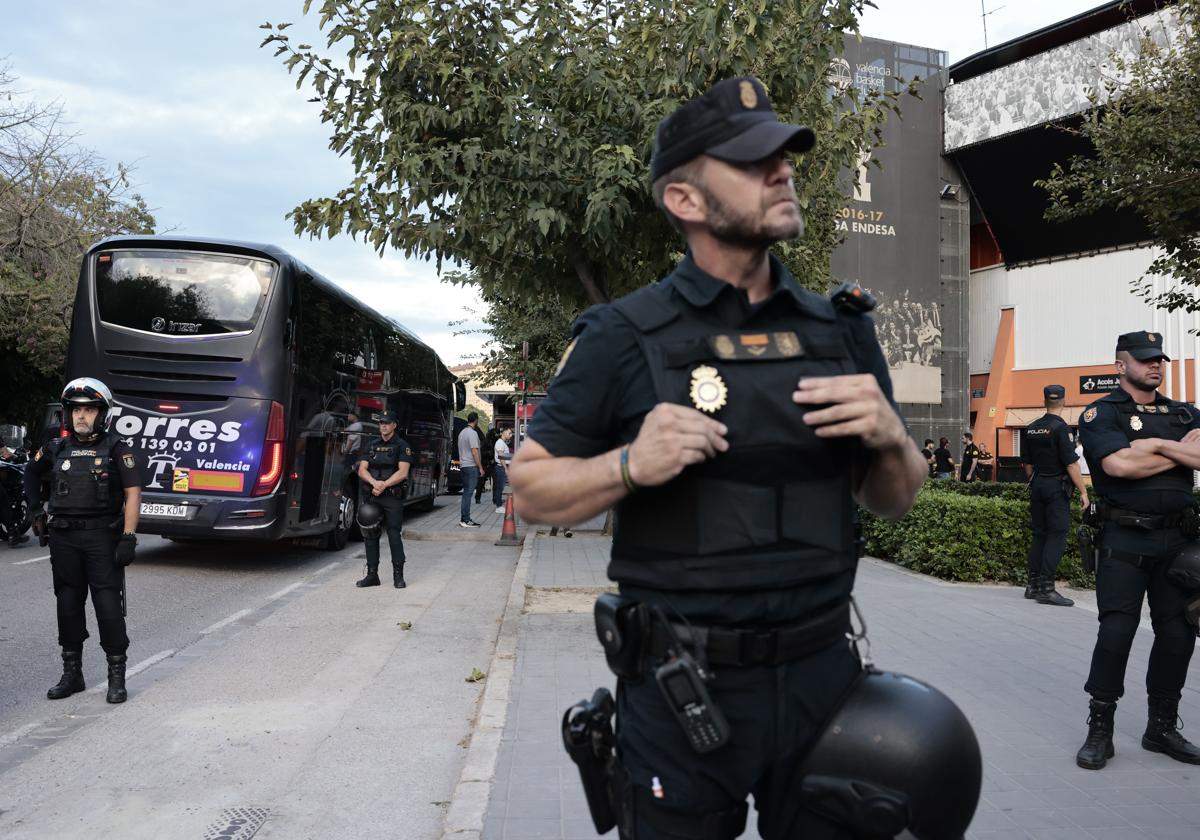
(460, 396)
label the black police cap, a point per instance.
(387, 417)
(1054, 392)
(733, 122)
(1142, 345)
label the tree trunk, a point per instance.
(594, 279)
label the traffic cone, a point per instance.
(508, 533)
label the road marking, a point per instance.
(34, 560)
(327, 568)
(286, 590)
(212, 628)
(18, 734)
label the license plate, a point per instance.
(170, 511)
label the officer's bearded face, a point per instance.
(751, 205)
(83, 419)
(1145, 376)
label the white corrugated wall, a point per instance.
(1068, 312)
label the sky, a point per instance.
(223, 144)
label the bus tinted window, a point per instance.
(181, 293)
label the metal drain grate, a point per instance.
(237, 824)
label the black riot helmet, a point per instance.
(1184, 570)
(86, 391)
(370, 519)
(897, 755)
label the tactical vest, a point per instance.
(382, 457)
(775, 509)
(84, 481)
(1169, 420)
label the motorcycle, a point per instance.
(12, 479)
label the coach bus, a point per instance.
(234, 368)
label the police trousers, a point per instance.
(1050, 515)
(774, 713)
(1120, 588)
(393, 522)
(82, 559)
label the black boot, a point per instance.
(1031, 588)
(1162, 735)
(370, 579)
(1098, 748)
(116, 678)
(72, 676)
(17, 540)
(398, 577)
(1047, 594)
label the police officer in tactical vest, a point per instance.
(383, 469)
(1050, 465)
(95, 491)
(732, 418)
(1142, 448)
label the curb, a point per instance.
(461, 535)
(464, 816)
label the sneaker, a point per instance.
(500, 509)
(467, 523)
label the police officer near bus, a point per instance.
(732, 418)
(95, 490)
(384, 467)
(1142, 448)
(1049, 460)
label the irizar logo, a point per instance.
(172, 428)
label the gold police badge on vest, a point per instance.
(66, 465)
(708, 392)
(1135, 423)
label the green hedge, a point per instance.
(957, 532)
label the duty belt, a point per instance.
(65, 524)
(1145, 521)
(753, 647)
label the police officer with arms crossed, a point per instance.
(93, 475)
(1050, 461)
(1142, 448)
(384, 470)
(732, 418)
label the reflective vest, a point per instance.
(84, 480)
(776, 508)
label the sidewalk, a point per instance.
(1015, 667)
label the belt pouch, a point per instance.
(622, 626)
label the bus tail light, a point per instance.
(272, 455)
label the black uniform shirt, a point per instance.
(126, 475)
(970, 455)
(1102, 434)
(1048, 446)
(603, 390)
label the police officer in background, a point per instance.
(732, 418)
(1142, 448)
(1050, 465)
(383, 469)
(95, 499)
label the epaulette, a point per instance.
(648, 308)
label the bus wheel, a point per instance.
(336, 539)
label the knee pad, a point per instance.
(898, 755)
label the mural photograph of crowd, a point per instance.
(909, 331)
(1047, 86)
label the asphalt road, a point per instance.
(175, 590)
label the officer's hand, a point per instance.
(673, 437)
(125, 548)
(856, 407)
(1191, 437)
(377, 490)
(1083, 500)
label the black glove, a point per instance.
(125, 548)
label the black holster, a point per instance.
(588, 737)
(1088, 549)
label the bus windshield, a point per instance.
(180, 292)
